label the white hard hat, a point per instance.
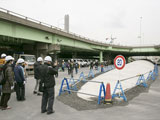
(8, 58)
(39, 59)
(20, 60)
(48, 58)
(3, 55)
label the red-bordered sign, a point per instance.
(119, 62)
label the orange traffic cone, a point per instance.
(108, 98)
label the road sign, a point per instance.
(119, 62)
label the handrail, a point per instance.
(45, 24)
(59, 29)
(133, 76)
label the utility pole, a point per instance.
(140, 32)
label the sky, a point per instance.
(98, 19)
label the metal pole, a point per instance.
(81, 93)
(140, 30)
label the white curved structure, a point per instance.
(131, 69)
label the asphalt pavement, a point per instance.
(146, 106)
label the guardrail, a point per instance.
(141, 81)
(45, 24)
(59, 29)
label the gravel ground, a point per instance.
(80, 104)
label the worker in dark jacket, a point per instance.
(91, 65)
(8, 85)
(20, 80)
(96, 65)
(2, 62)
(71, 67)
(37, 74)
(47, 72)
(76, 66)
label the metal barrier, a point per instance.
(141, 81)
(82, 77)
(91, 73)
(119, 87)
(68, 89)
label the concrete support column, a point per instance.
(42, 54)
(54, 56)
(74, 55)
(45, 49)
(41, 49)
(101, 56)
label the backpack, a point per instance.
(2, 78)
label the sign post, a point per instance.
(119, 63)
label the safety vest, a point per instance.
(2, 61)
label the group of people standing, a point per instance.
(14, 79)
(71, 65)
(92, 64)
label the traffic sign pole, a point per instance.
(119, 62)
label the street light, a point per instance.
(111, 38)
(140, 30)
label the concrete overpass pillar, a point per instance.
(74, 55)
(101, 56)
(42, 49)
(54, 56)
(108, 58)
(45, 49)
(42, 54)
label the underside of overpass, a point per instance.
(24, 35)
(11, 45)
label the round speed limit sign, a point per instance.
(119, 62)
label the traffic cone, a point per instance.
(108, 97)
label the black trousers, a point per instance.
(76, 70)
(69, 71)
(4, 99)
(47, 99)
(0, 89)
(63, 69)
(20, 91)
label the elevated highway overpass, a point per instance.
(20, 33)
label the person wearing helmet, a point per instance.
(2, 62)
(37, 74)
(8, 84)
(68, 66)
(71, 67)
(76, 66)
(91, 65)
(47, 72)
(20, 80)
(63, 65)
(96, 65)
